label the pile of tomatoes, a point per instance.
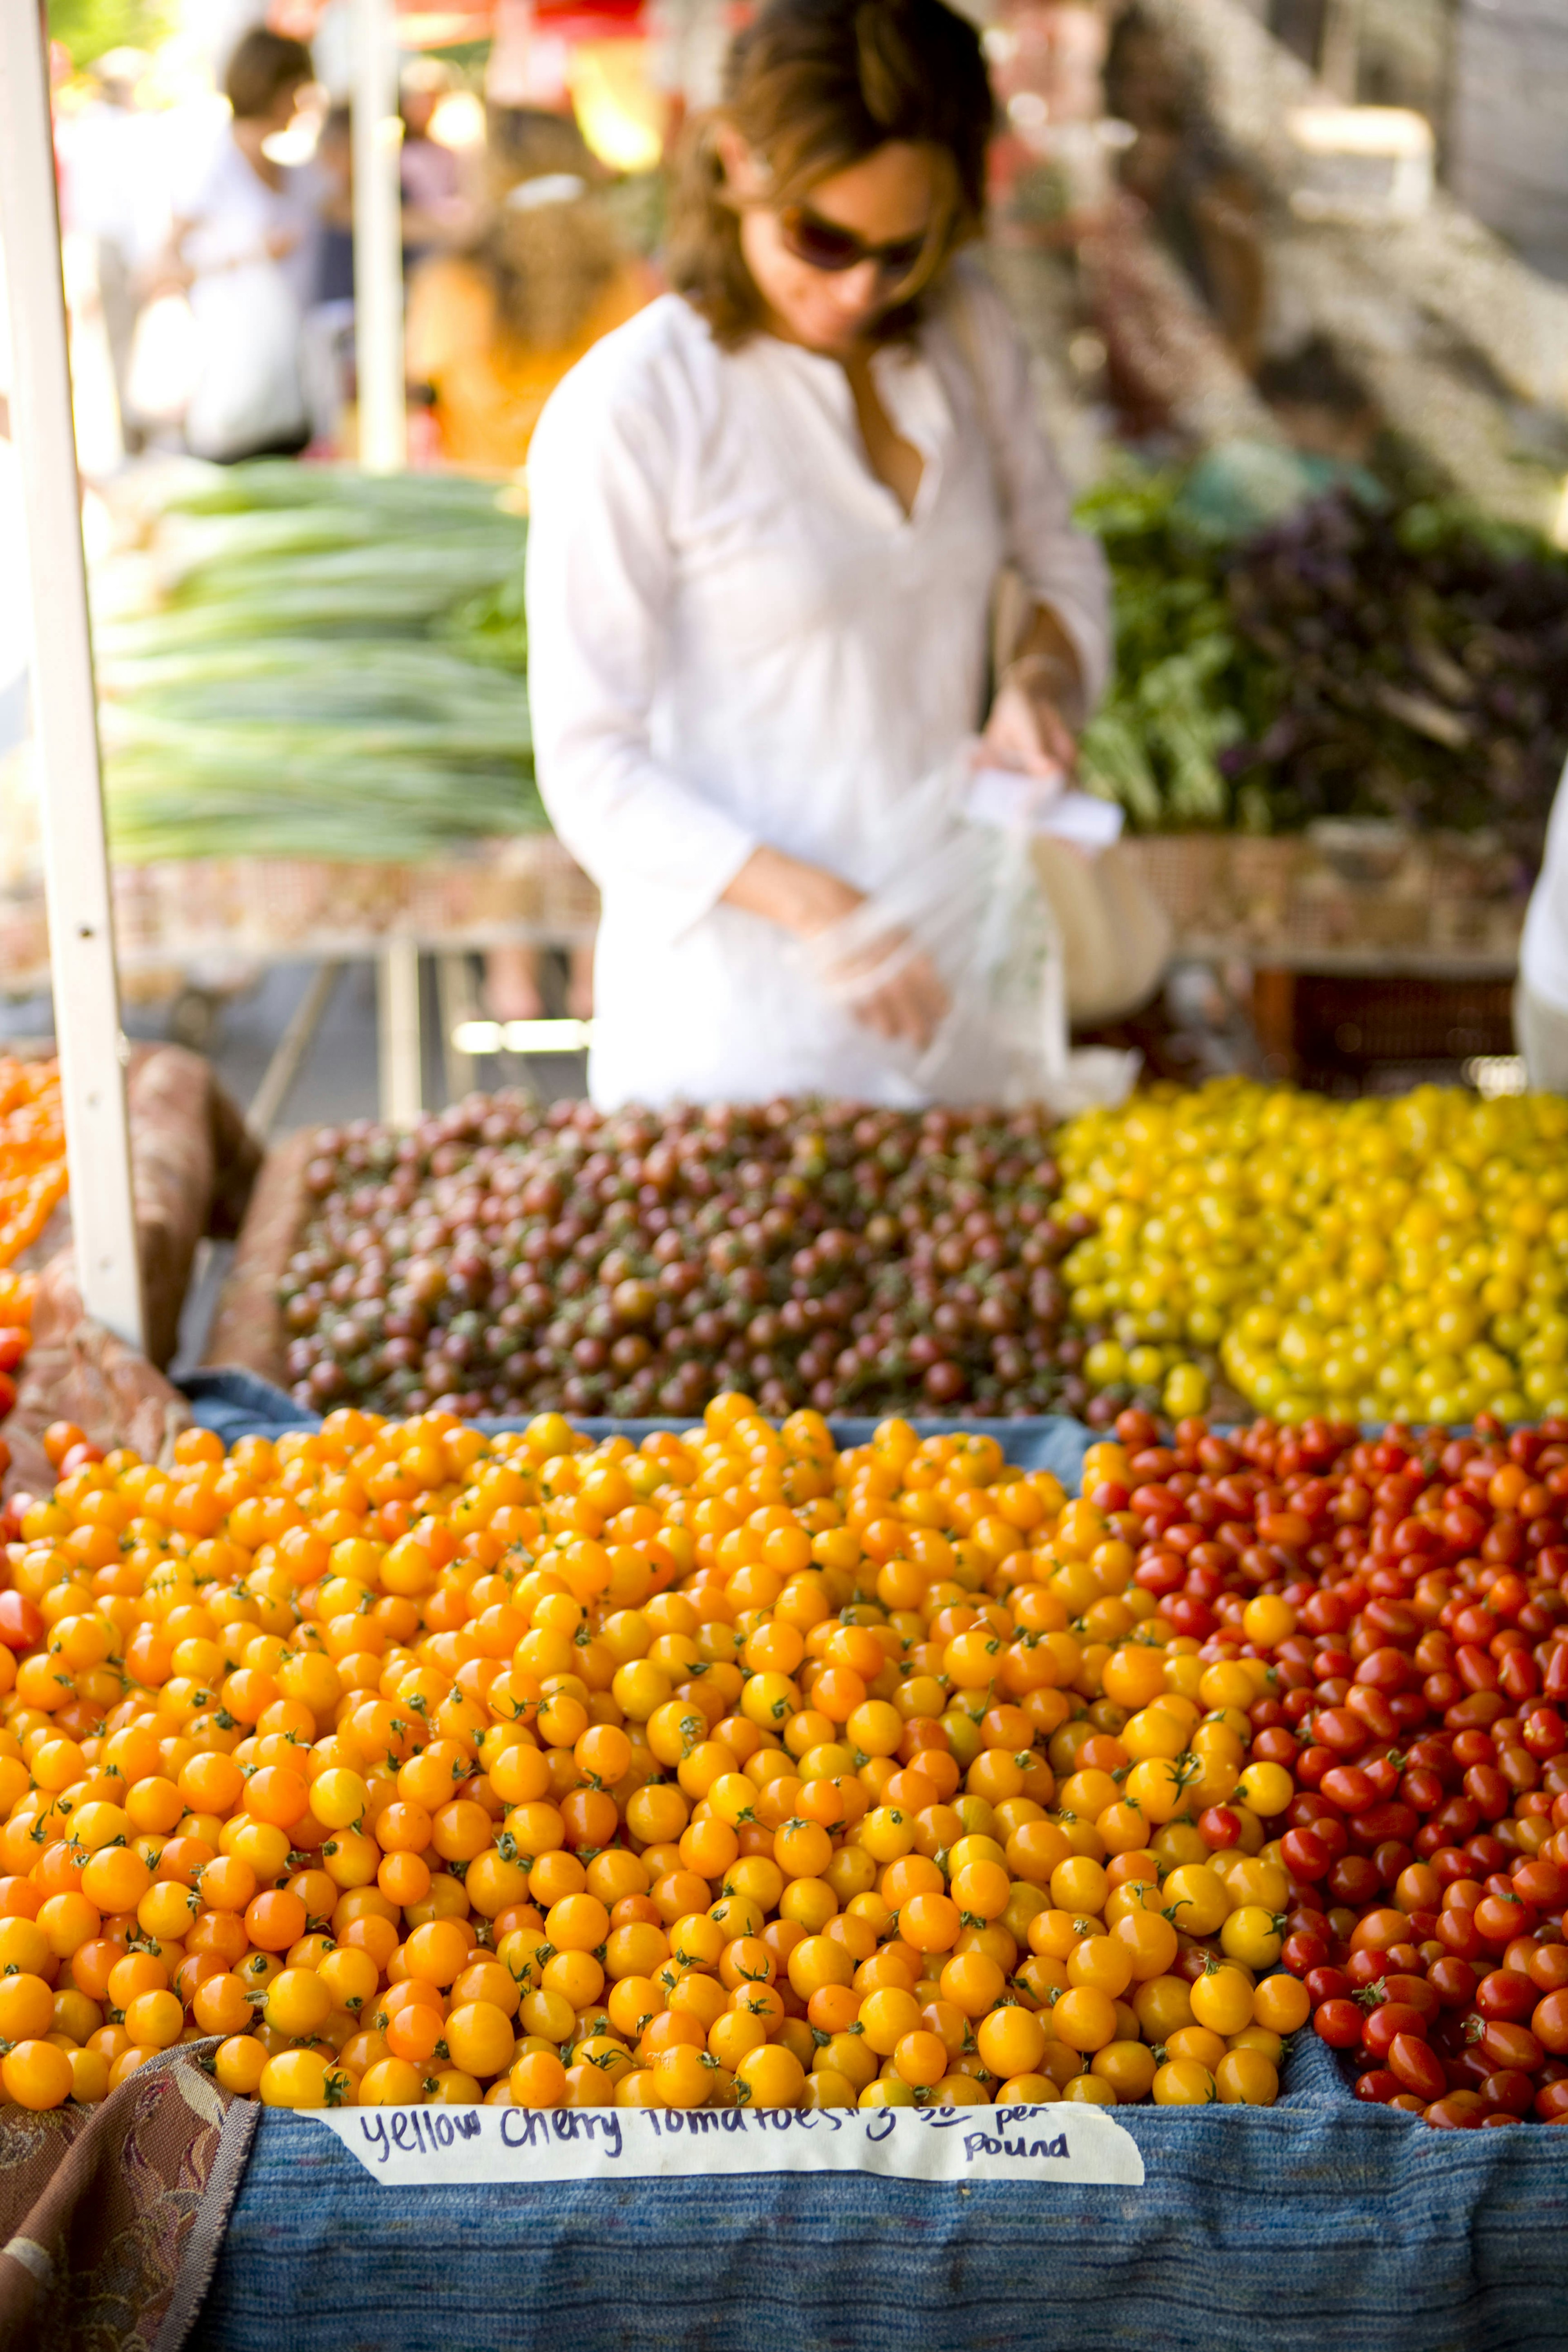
(403, 1763)
(32, 1151)
(1420, 1706)
(1376, 1259)
(501, 1258)
(395, 1762)
(16, 1295)
(32, 1184)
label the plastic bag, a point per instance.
(248, 391)
(967, 898)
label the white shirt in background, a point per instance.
(109, 183)
(737, 638)
(1543, 952)
(248, 307)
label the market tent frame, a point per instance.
(75, 859)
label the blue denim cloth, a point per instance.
(240, 1405)
(1313, 2226)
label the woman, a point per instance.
(244, 244)
(768, 517)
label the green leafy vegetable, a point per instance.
(335, 667)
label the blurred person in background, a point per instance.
(490, 334)
(327, 338)
(245, 245)
(436, 213)
(108, 184)
(334, 163)
(492, 331)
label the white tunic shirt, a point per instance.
(737, 638)
(1543, 955)
(248, 306)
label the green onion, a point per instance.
(335, 668)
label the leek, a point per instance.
(335, 668)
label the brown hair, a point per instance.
(813, 86)
(261, 67)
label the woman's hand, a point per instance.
(1039, 707)
(801, 899)
(901, 997)
(1027, 732)
(906, 1002)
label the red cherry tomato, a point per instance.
(21, 1622)
(1457, 1929)
(1505, 1993)
(1338, 2023)
(1510, 2045)
(1305, 1855)
(1501, 1917)
(1416, 2066)
(1547, 1967)
(1509, 2090)
(1548, 2022)
(1416, 1993)
(1385, 2023)
(1346, 1786)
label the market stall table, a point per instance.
(1323, 2221)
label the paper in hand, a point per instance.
(1001, 796)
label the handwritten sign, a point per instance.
(426, 2147)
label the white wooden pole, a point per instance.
(378, 238)
(383, 436)
(76, 860)
(402, 1039)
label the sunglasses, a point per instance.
(823, 245)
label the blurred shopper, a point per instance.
(437, 214)
(334, 277)
(244, 244)
(1540, 999)
(106, 190)
(492, 331)
(327, 341)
